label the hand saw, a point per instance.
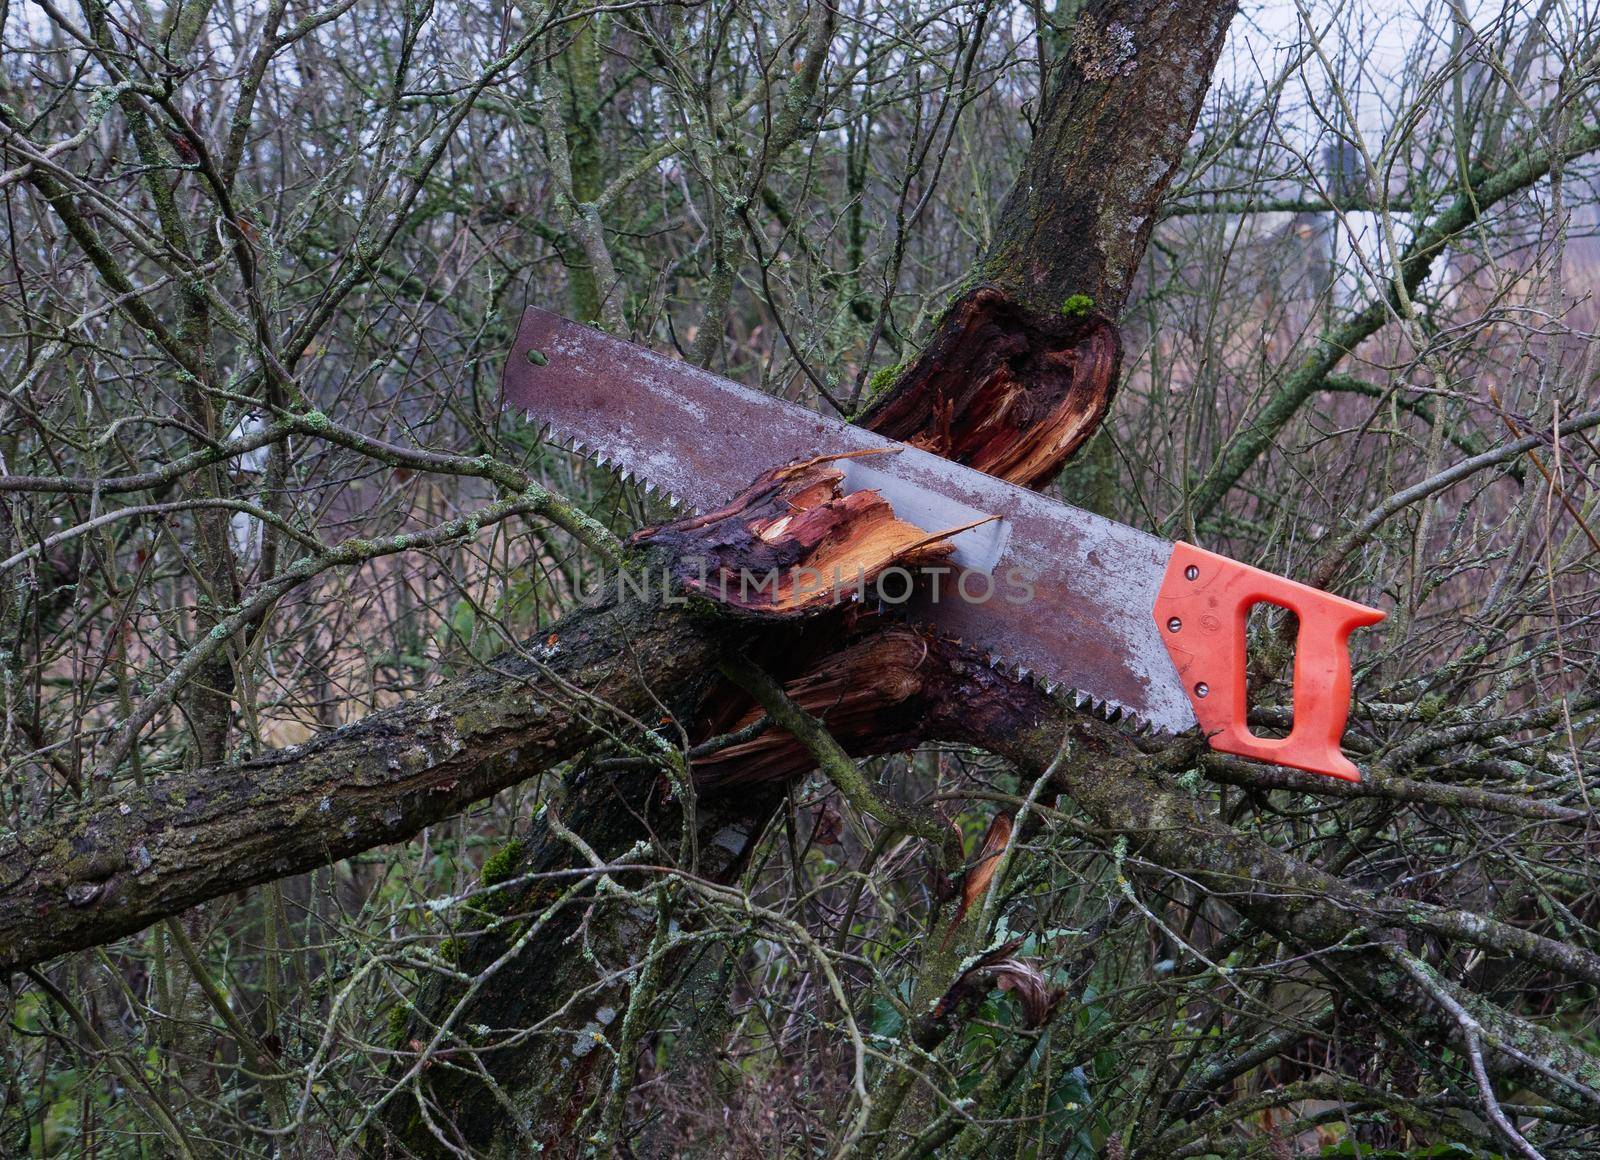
(1131, 622)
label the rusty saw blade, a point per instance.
(1086, 624)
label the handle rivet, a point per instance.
(1201, 689)
(1191, 573)
(1174, 624)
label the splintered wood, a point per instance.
(1003, 389)
(793, 542)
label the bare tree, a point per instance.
(339, 821)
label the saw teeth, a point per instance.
(1107, 710)
(552, 435)
(678, 501)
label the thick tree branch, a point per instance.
(115, 866)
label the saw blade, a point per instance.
(1059, 594)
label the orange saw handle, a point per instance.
(1201, 611)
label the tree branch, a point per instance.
(114, 867)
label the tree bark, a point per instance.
(1073, 229)
(114, 867)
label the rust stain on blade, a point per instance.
(1063, 593)
(671, 423)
